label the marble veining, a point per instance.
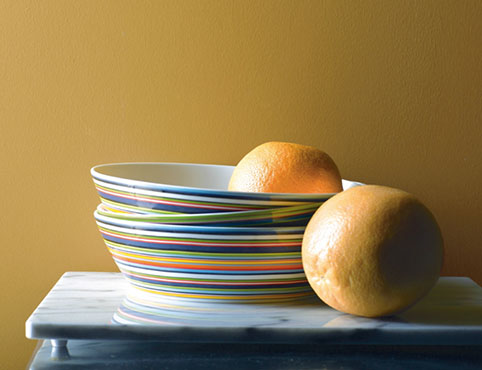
(99, 305)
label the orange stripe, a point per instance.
(220, 268)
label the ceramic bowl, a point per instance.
(185, 188)
(218, 265)
(176, 232)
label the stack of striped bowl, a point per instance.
(175, 232)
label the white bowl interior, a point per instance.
(176, 174)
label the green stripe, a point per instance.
(207, 254)
(214, 241)
(246, 215)
(137, 208)
(200, 290)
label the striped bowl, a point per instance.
(219, 264)
(184, 188)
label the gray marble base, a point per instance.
(85, 306)
(143, 355)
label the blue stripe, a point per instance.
(219, 293)
(197, 248)
(160, 207)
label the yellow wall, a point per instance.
(391, 89)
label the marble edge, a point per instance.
(29, 320)
(68, 274)
(466, 335)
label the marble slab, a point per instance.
(99, 306)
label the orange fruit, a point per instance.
(372, 251)
(278, 167)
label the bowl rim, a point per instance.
(141, 192)
(197, 190)
(203, 229)
(199, 235)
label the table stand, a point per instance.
(88, 315)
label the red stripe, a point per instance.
(217, 283)
(217, 268)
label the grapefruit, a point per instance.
(278, 167)
(372, 251)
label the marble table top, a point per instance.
(100, 306)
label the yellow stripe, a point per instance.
(227, 298)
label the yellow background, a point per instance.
(392, 90)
